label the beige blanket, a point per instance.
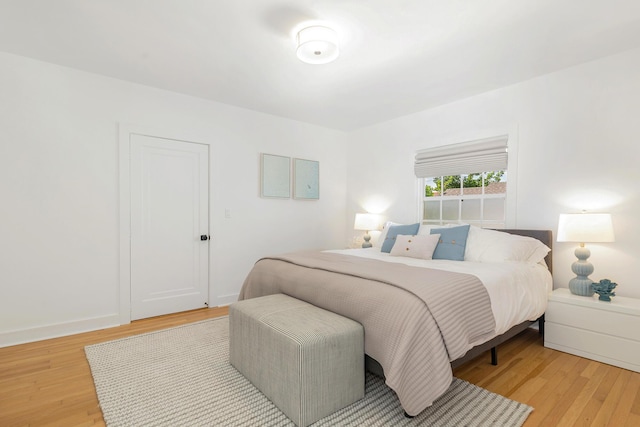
(416, 320)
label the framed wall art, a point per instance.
(306, 179)
(275, 179)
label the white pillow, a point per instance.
(426, 228)
(496, 246)
(420, 246)
(540, 253)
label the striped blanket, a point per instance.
(416, 320)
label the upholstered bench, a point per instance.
(308, 361)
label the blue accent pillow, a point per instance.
(453, 241)
(394, 230)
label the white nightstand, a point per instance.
(608, 332)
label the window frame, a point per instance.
(481, 222)
(511, 202)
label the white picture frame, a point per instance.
(275, 177)
(306, 179)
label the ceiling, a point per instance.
(397, 56)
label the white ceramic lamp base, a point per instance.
(581, 284)
(367, 243)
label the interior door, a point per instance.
(169, 225)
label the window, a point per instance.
(476, 198)
(453, 190)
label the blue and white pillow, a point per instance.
(394, 230)
(453, 241)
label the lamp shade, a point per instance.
(367, 222)
(317, 45)
(585, 228)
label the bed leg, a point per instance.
(407, 415)
(494, 356)
(541, 326)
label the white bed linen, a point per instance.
(518, 290)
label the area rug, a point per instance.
(182, 377)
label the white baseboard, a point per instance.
(23, 336)
(223, 300)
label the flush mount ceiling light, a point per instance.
(317, 45)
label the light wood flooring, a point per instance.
(48, 383)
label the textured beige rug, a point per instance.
(182, 377)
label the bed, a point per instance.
(421, 317)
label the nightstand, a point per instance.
(608, 332)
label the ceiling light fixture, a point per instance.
(317, 45)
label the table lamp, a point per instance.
(367, 222)
(584, 228)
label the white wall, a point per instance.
(59, 192)
(577, 133)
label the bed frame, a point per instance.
(546, 237)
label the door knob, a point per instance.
(204, 237)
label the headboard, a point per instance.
(545, 236)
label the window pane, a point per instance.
(471, 209)
(430, 188)
(451, 185)
(495, 182)
(494, 209)
(450, 209)
(432, 210)
(472, 183)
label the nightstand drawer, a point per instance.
(593, 345)
(608, 332)
(596, 319)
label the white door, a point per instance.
(169, 220)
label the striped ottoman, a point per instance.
(308, 361)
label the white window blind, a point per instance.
(469, 157)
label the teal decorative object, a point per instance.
(605, 289)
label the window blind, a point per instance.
(483, 155)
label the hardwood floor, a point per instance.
(48, 383)
(563, 389)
